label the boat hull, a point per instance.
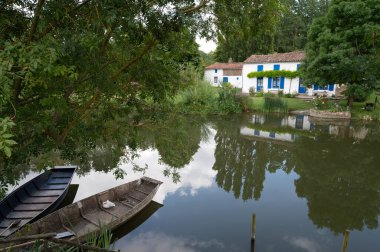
(34, 199)
(89, 216)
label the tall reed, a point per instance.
(275, 104)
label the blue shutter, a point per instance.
(269, 82)
(260, 68)
(298, 66)
(331, 87)
(276, 67)
(282, 83)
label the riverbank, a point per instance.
(293, 104)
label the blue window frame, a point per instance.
(276, 67)
(216, 70)
(276, 82)
(260, 68)
(260, 83)
(319, 87)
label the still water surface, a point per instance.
(306, 181)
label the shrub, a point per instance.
(288, 96)
(269, 94)
(252, 91)
(227, 101)
(280, 93)
(199, 98)
(260, 94)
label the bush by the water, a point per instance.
(202, 98)
(227, 102)
(198, 98)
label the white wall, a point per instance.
(210, 74)
(290, 86)
(236, 81)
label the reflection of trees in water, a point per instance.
(341, 182)
(102, 147)
(241, 162)
(177, 140)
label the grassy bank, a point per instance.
(258, 104)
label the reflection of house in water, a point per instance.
(288, 137)
(340, 128)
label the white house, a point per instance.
(218, 73)
(290, 61)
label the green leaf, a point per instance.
(7, 151)
(7, 135)
(10, 142)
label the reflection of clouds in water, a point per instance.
(161, 242)
(198, 174)
(303, 243)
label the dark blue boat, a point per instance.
(34, 199)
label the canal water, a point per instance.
(307, 181)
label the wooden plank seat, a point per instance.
(37, 200)
(22, 214)
(31, 207)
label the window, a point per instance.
(215, 79)
(276, 67)
(276, 82)
(260, 82)
(298, 66)
(237, 78)
(260, 68)
(216, 70)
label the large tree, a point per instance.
(245, 27)
(64, 64)
(344, 47)
(296, 21)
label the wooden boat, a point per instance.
(76, 221)
(34, 199)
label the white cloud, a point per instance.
(161, 242)
(303, 243)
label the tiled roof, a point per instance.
(277, 57)
(217, 65)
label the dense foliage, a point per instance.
(344, 47)
(245, 27)
(295, 23)
(65, 66)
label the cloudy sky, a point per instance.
(206, 46)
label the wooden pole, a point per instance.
(253, 226)
(253, 232)
(345, 240)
